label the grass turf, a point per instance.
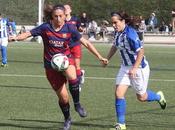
(27, 101)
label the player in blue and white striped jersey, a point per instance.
(3, 39)
(134, 69)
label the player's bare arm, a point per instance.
(20, 37)
(111, 52)
(92, 49)
(139, 58)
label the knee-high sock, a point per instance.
(120, 107)
(152, 96)
(4, 54)
(74, 90)
(65, 108)
(78, 74)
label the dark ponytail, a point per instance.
(122, 15)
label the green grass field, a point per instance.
(27, 101)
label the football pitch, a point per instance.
(27, 101)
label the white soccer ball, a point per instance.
(60, 62)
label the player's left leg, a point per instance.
(74, 90)
(140, 86)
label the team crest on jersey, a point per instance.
(64, 35)
(73, 22)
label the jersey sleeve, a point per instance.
(37, 31)
(75, 33)
(134, 41)
(78, 23)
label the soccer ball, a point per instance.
(60, 62)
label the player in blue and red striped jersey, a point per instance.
(56, 35)
(75, 46)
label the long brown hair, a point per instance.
(48, 10)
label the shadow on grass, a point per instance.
(134, 125)
(152, 111)
(74, 123)
(29, 126)
(143, 125)
(23, 87)
(162, 69)
(98, 65)
(162, 124)
(23, 61)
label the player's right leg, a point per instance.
(4, 43)
(58, 83)
(140, 86)
(122, 84)
(77, 54)
(4, 56)
(64, 105)
(80, 72)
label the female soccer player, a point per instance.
(56, 35)
(4, 25)
(134, 69)
(75, 46)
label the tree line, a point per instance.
(26, 11)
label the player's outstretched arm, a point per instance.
(20, 37)
(111, 52)
(93, 50)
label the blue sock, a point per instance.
(152, 96)
(120, 106)
(4, 54)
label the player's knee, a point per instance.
(119, 94)
(64, 98)
(141, 98)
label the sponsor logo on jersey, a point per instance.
(64, 35)
(57, 43)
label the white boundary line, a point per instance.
(95, 78)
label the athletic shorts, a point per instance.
(76, 51)
(57, 79)
(139, 84)
(4, 41)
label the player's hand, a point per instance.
(132, 72)
(104, 61)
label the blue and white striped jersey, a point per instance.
(128, 44)
(3, 28)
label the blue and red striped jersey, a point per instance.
(76, 22)
(55, 41)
